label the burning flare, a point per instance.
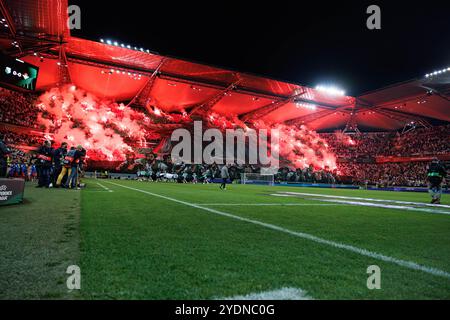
(110, 131)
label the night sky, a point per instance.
(295, 41)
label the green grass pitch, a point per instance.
(140, 240)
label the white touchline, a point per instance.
(107, 189)
(367, 199)
(281, 294)
(364, 252)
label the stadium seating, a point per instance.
(356, 154)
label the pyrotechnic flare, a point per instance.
(109, 130)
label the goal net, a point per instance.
(257, 178)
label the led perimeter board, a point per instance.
(17, 74)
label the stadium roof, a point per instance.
(116, 71)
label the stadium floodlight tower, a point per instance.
(330, 90)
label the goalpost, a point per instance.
(258, 178)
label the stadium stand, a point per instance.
(357, 154)
(384, 137)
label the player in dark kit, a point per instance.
(436, 174)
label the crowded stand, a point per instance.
(421, 141)
(408, 174)
(30, 155)
(21, 139)
(18, 109)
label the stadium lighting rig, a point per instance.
(125, 46)
(436, 73)
(4, 23)
(134, 76)
(331, 90)
(41, 57)
(305, 105)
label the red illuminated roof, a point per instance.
(112, 72)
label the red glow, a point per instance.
(75, 116)
(109, 130)
(301, 148)
(344, 139)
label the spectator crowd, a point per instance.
(356, 155)
(18, 109)
(421, 141)
(408, 174)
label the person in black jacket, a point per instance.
(81, 165)
(44, 164)
(4, 151)
(74, 165)
(436, 173)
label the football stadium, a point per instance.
(128, 174)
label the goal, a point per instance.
(257, 178)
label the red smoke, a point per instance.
(109, 130)
(301, 147)
(106, 129)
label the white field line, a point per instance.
(104, 187)
(368, 204)
(281, 294)
(386, 206)
(368, 199)
(94, 191)
(403, 263)
(266, 204)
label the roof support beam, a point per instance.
(165, 75)
(315, 116)
(363, 105)
(9, 20)
(402, 117)
(437, 92)
(184, 79)
(11, 27)
(394, 114)
(173, 77)
(267, 109)
(63, 68)
(352, 125)
(143, 97)
(210, 103)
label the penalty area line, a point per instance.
(403, 263)
(378, 204)
(365, 199)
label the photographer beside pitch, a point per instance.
(436, 173)
(4, 151)
(44, 164)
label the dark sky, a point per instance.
(306, 42)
